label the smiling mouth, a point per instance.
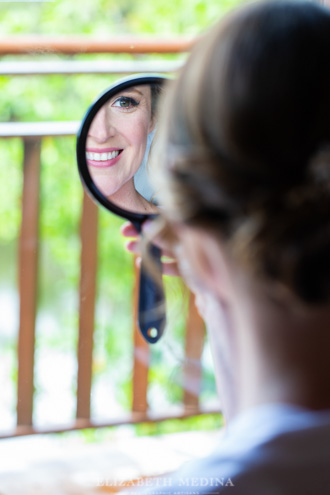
(102, 157)
(105, 158)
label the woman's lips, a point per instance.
(104, 157)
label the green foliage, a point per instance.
(195, 423)
(110, 17)
(205, 422)
(11, 181)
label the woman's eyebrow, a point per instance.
(134, 90)
(128, 91)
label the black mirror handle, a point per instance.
(151, 309)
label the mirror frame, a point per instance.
(137, 79)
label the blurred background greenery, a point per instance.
(60, 98)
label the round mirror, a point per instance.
(114, 144)
(113, 148)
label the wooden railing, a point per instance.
(73, 45)
(32, 135)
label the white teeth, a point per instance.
(101, 157)
(113, 154)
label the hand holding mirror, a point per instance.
(113, 147)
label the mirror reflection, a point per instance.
(118, 147)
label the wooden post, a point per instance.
(141, 357)
(192, 372)
(89, 225)
(28, 275)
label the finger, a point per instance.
(133, 246)
(164, 240)
(128, 230)
(149, 232)
(171, 268)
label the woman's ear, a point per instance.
(208, 261)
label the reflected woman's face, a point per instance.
(117, 138)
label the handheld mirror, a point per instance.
(113, 146)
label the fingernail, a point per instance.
(124, 226)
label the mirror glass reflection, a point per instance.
(118, 147)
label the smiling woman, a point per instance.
(117, 144)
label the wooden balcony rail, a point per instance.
(32, 135)
(65, 67)
(73, 45)
(28, 276)
(87, 293)
(34, 130)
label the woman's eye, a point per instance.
(125, 103)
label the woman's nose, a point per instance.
(101, 129)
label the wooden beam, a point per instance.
(28, 275)
(38, 129)
(72, 45)
(89, 226)
(141, 358)
(124, 419)
(71, 67)
(194, 344)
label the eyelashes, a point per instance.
(125, 103)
